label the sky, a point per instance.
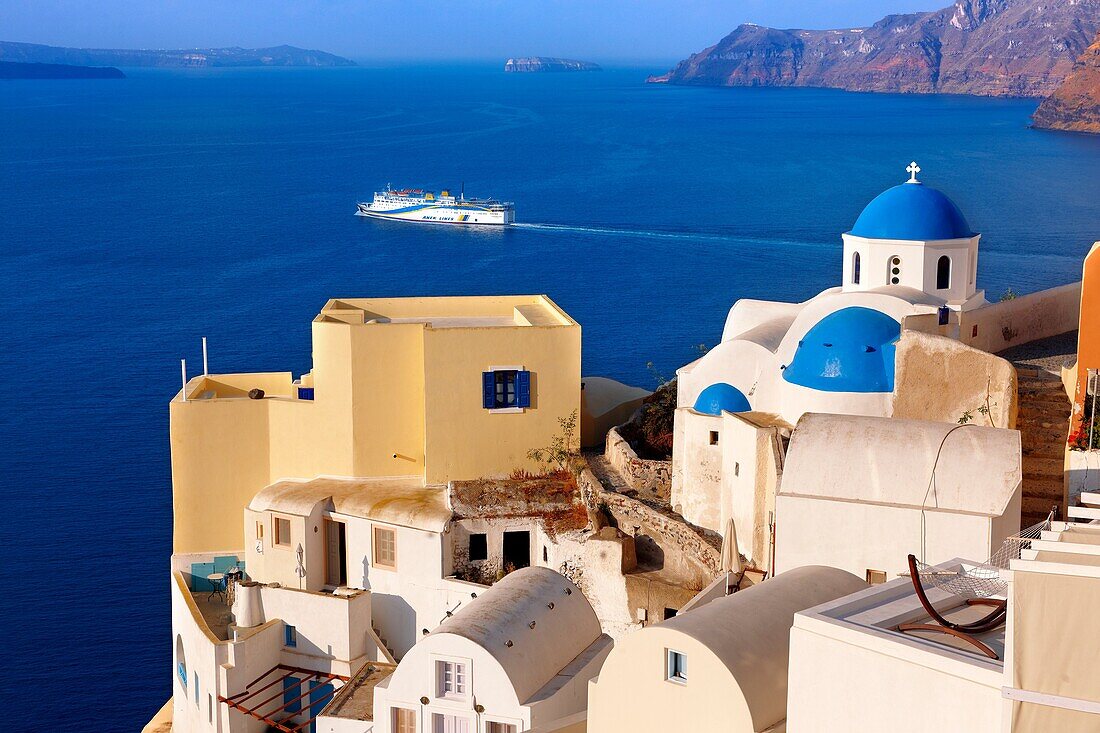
(597, 30)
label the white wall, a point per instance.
(839, 687)
(860, 536)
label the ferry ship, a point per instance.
(409, 204)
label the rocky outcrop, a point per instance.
(16, 70)
(986, 47)
(1075, 105)
(545, 63)
(277, 56)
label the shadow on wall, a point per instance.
(395, 620)
(649, 553)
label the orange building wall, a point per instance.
(1088, 338)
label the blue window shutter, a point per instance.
(523, 389)
(487, 387)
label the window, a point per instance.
(855, 268)
(714, 437)
(669, 613)
(403, 720)
(290, 636)
(876, 577)
(385, 548)
(181, 662)
(196, 674)
(505, 389)
(491, 727)
(282, 531)
(893, 273)
(676, 669)
(451, 678)
(479, 547)
(259, 530)
(210, 708)
(943, 273)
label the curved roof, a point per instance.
(912, 211)
(721, 397)
(546, 618)
(849, 350)
(402, 501)
(889, 461)
(749, 632)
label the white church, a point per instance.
(910, 253)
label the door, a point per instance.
(319, 696)
(444, 723)
(517, 550)
(336, 553)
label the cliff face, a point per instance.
(987, 47)
(277, 56)
(1075, 105)
(16, 70)
(545, 63)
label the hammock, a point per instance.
(983, 580)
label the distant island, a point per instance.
(31, 53)
(1075, 105)
(534, 64)
(17, 70)
(1022, 48)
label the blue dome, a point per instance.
(912, 211)
(849, 350)
(721, 397)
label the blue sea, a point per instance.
(137, 216)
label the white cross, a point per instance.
(912, 169)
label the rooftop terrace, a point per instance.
(449, 312)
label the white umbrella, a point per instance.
(731, 558)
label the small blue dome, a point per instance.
(912, 211)
(849, 350)
(721, 397)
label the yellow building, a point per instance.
(438, 389)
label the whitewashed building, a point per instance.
(519, 657)
(861, 493)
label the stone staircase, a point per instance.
(1043, 421)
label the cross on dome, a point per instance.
(912, 169)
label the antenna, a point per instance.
(205, 371)
(183, 373)
(462, 191)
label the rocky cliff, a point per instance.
(987, 47)
(16, 70)
(546, 63)
(1075, 105)
(278, 56)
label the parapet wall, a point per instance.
(998, 326)
(686, 552)
(652, 479)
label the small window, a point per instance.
(259, 530)
(545, 554)
(876, 577)
(209, 708)
(290, 636)
(451, 680)
(479, 547)
(282, 531)
(491, 727)
(196, 676)
(505, 389)
(893, 273)
(669, 613)
(404, 720)
(714, 437)
(677, 670)
(385, 547)
(736, 468)
(855, 268)
(943, 273)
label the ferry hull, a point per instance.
(464, 216)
